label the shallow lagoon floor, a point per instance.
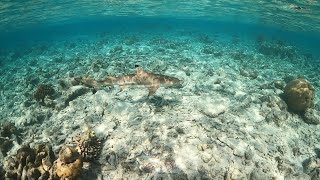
(228, 121)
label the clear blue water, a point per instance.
(231, 55)
(34, 22)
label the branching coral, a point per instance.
(42, 91)
(88, 145)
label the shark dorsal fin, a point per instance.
(139, 70)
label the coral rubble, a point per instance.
(311, 166)
(299, 95)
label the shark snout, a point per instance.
(177, 84)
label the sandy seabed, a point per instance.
(228, 121)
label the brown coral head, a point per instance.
(25, 154)
(42, 91)
(299, 95)
(68, 154)
(69, 165)
(7, 129)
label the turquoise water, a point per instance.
(171, 90)
(24, 23)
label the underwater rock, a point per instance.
(5, 145)
(178, 174)
(278, 117)
(311, 116)
(274, 102)
(311, 166)
(213, 108)
(42, 91)
(298, 176)
(279, 84)
(7, 129)
(8, 134)
(299, 95)
(2, 172)
(258, 174)
(112, 159)
(88, 145)
(30, 163)
(248, 73)
(69, 164)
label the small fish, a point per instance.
(151, 80)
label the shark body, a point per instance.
(151, 80)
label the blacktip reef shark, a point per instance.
(148, 79)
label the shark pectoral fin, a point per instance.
(152, 89)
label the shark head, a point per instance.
(172, 82)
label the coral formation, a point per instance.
(279, 84)
(311, 166)
(311, 116)
(299, 95)
(5, 145)
(42, 91)
(2, 173)
(69, 164)
(30, 163)
(88, 145)
(7, 129)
